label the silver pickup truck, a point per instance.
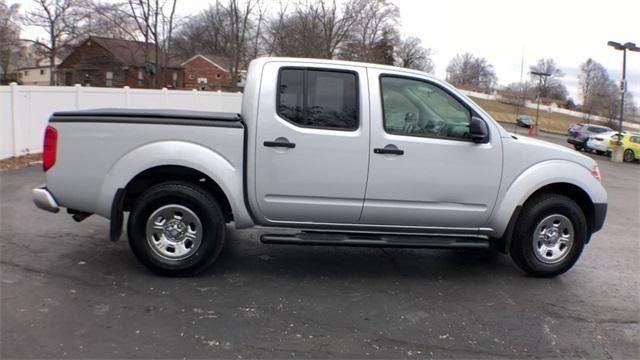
(324, 153)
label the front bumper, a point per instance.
(600, 214)
(44, 199)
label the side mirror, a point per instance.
(478, 130)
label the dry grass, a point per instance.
(549, 121)
(20, 161)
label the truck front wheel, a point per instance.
(176, 229)
(549, 235)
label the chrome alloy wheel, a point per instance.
(553, 239)
(174, 232)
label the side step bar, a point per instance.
(377, 240)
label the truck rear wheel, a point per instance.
(549, 235)
(176, 229)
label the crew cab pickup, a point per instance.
(324, 153)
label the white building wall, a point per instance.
(34, 76)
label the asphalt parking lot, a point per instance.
(68, 292)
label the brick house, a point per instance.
(106, 62)
(207, 72)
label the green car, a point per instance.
(630, 144)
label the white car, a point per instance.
(600, 142)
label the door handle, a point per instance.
(280, 142)
(388, 150)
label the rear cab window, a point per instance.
(318, 98)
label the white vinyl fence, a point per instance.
(25, 110)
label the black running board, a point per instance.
(377, 240)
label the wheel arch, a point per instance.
(574, 192)
(170, 160)
(561, 176)
(165, 173)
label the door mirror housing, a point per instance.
(478, 130)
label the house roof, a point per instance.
(221, 62)
(131, 53)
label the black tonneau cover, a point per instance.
(151, 116)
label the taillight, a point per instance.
(50, 148)
(578, 134)
(596, 173)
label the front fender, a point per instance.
(534, 178)
(179, 153)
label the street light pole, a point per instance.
(540, 76)
(623, 84)
(623, 90)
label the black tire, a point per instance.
(534, 211)
(578, 147)
(600, 152)
(198, 201)
(628, 156)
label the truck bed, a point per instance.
(99, 151)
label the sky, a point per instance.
(509, 33)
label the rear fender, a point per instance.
(178, 153)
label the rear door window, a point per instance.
(597, 130)
(318, 98)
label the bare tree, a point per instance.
(299, 33)
(517, 94)
(256, 45)
(630, 107)
(206, 32)
(374, 31)
(110, 19)
(61, 20)
(9, 38)
(311, 29)
(239, 14)
(228, 28)
(550, 86)
(468, 71)
(411, 54)
(598, 90)
(155, 21)
(272, 34)
(336, 26)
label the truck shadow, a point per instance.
(243, 253)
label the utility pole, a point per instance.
(540, 76)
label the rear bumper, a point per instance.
(596, 146)
(44, 199)
(600, 214)
(576, 141)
